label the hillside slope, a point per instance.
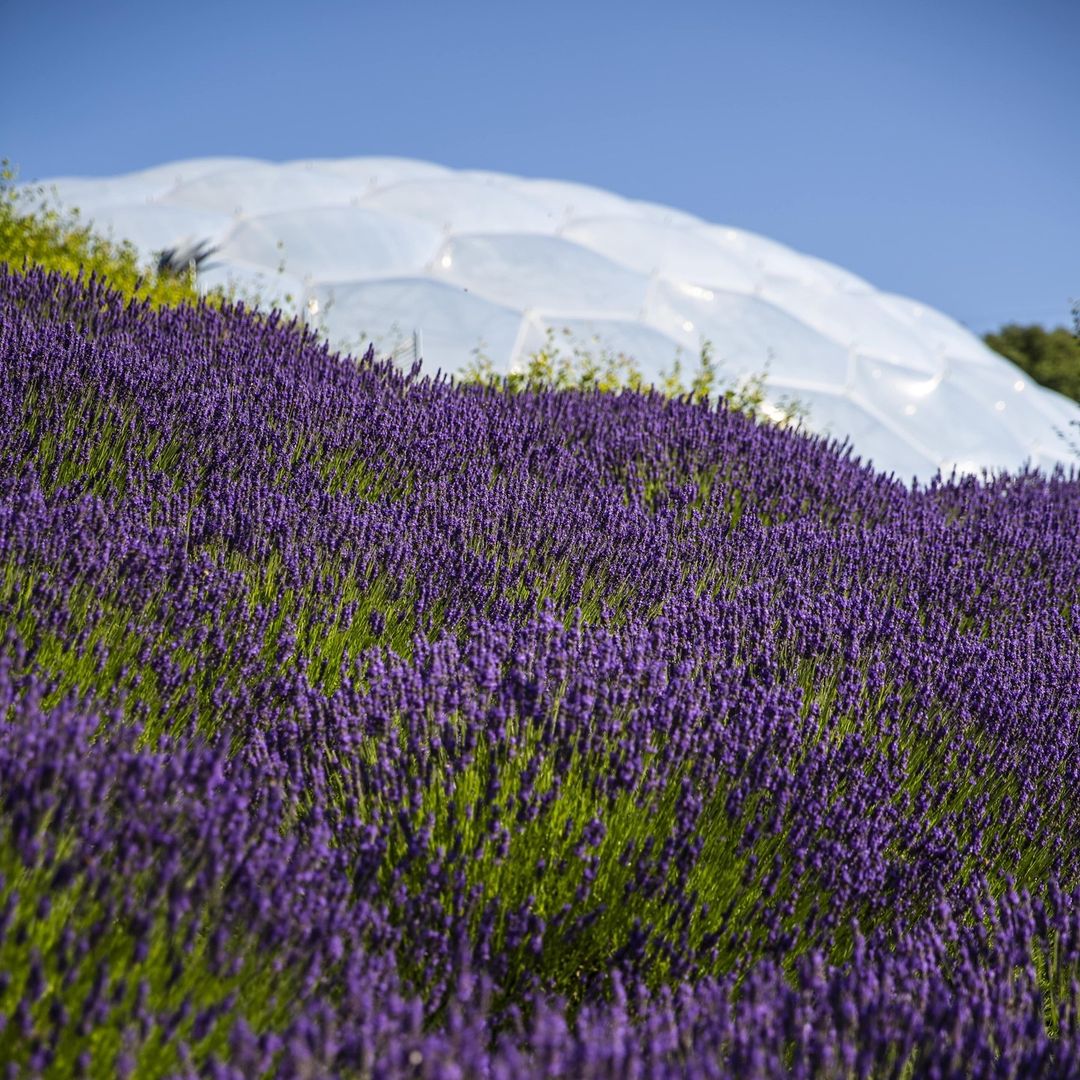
(360, 724)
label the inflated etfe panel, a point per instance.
(479, 264)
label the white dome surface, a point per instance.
(480, 263)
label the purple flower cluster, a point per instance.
(357, 723)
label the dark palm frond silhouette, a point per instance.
(176, 260)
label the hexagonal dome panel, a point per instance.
(474, 263)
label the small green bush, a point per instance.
(550, 368)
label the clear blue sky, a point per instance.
(932, 146)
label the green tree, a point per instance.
(1050, 357)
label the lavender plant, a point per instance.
(356, 723)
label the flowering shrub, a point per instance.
(35, 233)
(361, 724)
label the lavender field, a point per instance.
(361, 724)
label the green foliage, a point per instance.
(550, 368)
(35, 233)
(1050, 357)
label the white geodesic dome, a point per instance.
(480, 263)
